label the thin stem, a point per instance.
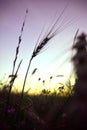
(25, 79)
(11, 84)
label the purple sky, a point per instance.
(41, 12)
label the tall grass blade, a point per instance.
(13, 76)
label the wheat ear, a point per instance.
(52, 31)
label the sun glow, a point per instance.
(38, 15)
(35, 84)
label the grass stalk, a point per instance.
(19, 42)
(14, 75)
(52, 31)
(10, 86)
(25, 80)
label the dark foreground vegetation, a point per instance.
(42, 112)
(36, 112)
(46, 111)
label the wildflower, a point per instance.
(11, 110)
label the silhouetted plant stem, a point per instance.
(25, 80)
(11, 84)
(19, 42)
(52, 31)
(75, 36)
(13, 76)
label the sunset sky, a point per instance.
(55, 59)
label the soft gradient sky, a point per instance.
(56, 58)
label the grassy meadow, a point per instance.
(42, 108)
(56, 110)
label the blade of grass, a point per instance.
(14, 76)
